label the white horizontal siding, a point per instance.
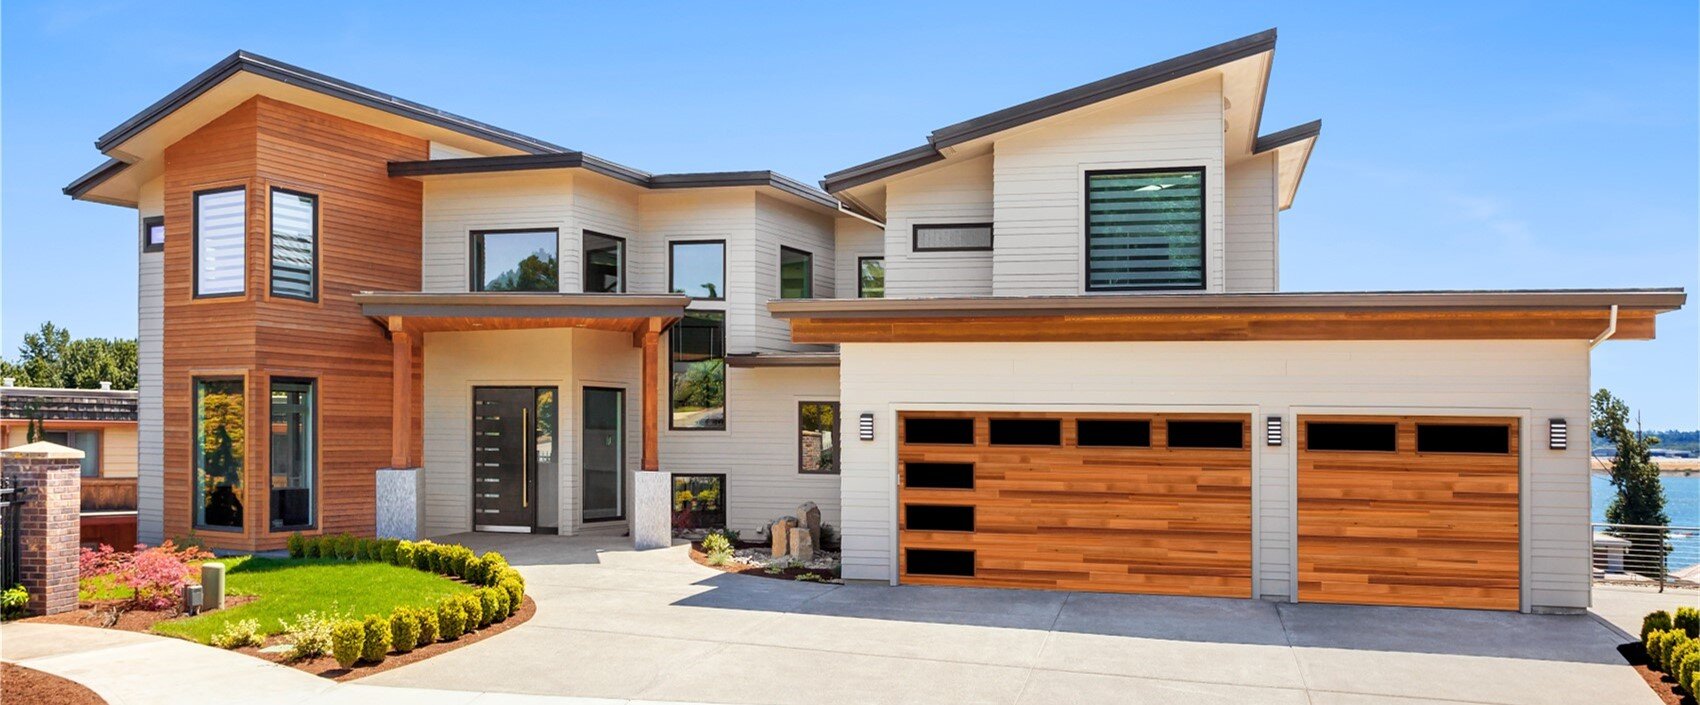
(959, 193)
(779, 224)
(856, 239)
(150, 372)
(1252, 248)
(456, 206)
(607, 207)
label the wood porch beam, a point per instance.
(651, 344)
(401, 394)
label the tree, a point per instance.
(1640, 498)
(50, 357)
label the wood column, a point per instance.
(401, 394)
(651, 344)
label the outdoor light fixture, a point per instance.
(1272, 430)
(867, 427)
(1558, 434)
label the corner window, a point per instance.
(86, 441)
(153, 234)
(515, 260)
(870, 278)
(699, 501)
(604, 263)
(817, 437)
(292, 453)
(221, 242)
(796, 274)
(1145, 229)
(954, 237)
(697, 269)
(219, 451)
(295, 245)
(698, 367)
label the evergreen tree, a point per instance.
(1640, 498)
(50, 357)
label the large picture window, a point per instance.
(796, 274)
(698, 269)
(817, 437)
(1145, 229)
(292, 453)
(86, 441)
(870, 278)
(295, 244)
(221, 242)
(698, 366)
(515, 260)
(604, 263)
(219, 451)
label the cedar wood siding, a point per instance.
(369, 227)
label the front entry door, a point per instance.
(504, 457)
(604, 453)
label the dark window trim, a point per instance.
(147, 224)
(808, 281)
(475, 260)
(726, 383)
(725, 493)
(625, 490)
(837, 439)
(1203, 228)
(723, 283)
(313, 409)
(194, 454)
(859, 261)
(195, 242)
(915, 237)
(584, 276)
(271, 232)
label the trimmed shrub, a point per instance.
(427, 619)
(1654, 622)
(472, 570)
(716, 543)
(1688, 620)
(1687, 662)
(346, 547)
(1659, 644)
(377, 643)
(310, 547)
(311, 634)
(402, 557)
(516, 593)
(369, 549)
(473, 605)
(235, 635)
(495, 568)
(404, 630)
(422, 555)
(1668, 645)
(458, 558)
(504, 605)
(1693, 684)
(451, 619)
(1651, 643)
(297, 545)
(386, 550)
(348, 642)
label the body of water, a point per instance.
(1682, 505)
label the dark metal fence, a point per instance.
(9, 530)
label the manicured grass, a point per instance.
(286, 587)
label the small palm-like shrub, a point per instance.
(237, 634)
(1654, 622)
(714, 543)
(348, 642)
(427, 619)
(451, 618)
(377, 639)
(404, 630)
(1688, 620)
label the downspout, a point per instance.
(1611, 329)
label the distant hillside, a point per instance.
(1672, 440)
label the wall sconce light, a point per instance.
(1558, 434)
(867, 427)
(1272, 430)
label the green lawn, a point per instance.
(286, 587)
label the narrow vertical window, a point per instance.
(221, 242)
(698, 269)
(153, 234)
(604, 263)
(870, 278)
(1145, 229)
(292, 454)
(699, 371)
(817, 437)
(796, 274)
(295, 245)
(515, 260)
(219, 452)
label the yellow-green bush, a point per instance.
(427, 619)
(348, 642)
(516, 592)
(1654, 622)
(472, 570)
(451, 618)
(377, 645)
(403, 555)
(1688, 620)
(237, 634)
(474, 608)
(404, 630)
(1686, 665)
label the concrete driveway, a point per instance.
(613, 623)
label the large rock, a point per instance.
(802, 545)
(780, 532)
(808, 517)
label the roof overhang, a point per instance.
(1292, 148)
(423, 312)
(774, 183)
(1405, 315)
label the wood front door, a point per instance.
(504, 458)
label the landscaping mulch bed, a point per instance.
(1663, 685)
(827, 575)
(27, 685)
(326, 667)
(99, 614)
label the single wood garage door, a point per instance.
(1143, 503)
(1403, 510)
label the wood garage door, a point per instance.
(1146, 503)
(1417, 511)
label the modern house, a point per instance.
(102, 424)
(1045, 349)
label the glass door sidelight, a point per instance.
(604, 453)
(512, 435)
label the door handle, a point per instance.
(525, 462)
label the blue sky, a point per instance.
(1465, 145)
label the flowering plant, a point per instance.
(154, 575)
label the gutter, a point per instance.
(1611, 330)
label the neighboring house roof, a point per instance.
(54, 404)
(580, 160)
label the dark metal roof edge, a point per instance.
(715, 179)
(476, 165)
(880, 168)
(321, 83)
(1281, 138)
(570, 160)
(799, 359)
(95, 177)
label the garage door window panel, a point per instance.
(1227, 435)
(937, 431)
(1352, 437)
(1024, 432)
(925, 561)
(1463, 438)
(938, 517)
(938, 476)
(1113, 433)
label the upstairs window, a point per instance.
(295, 245)
(870, 278)
(515, 260)
(153, 234)
(1145, 229)
(221, 242)
(604, 263)
(954, 237)
(796, 274)
(698, 269)
(698, 371)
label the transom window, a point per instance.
(953, 237)
(604, 263)
(515, 260)
(295, 244)
(1145, 229)
(698, 269)
(221, 242)
(796, 274)
(870, 278)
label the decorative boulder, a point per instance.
(780, 531)
(808, 517)
(802, 545)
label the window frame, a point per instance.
(915, 236)
(99, 447)
(195, 242)
(837, 438)
(196, 505)
(721, 477)
(672, 247)
(148, 225)
(271, 246)
(584, 253)
(725, 377)
(312, 384)
(809, 277)
(859, 293)
(475, 259)
(1086, 228)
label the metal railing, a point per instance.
(10, 548)
(1665, 556)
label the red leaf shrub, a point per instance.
(154, 575)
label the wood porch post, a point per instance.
(651, 404)
(401, 394)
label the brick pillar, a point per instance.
(48, 479)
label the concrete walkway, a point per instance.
(1625, 605)
(622, 626)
